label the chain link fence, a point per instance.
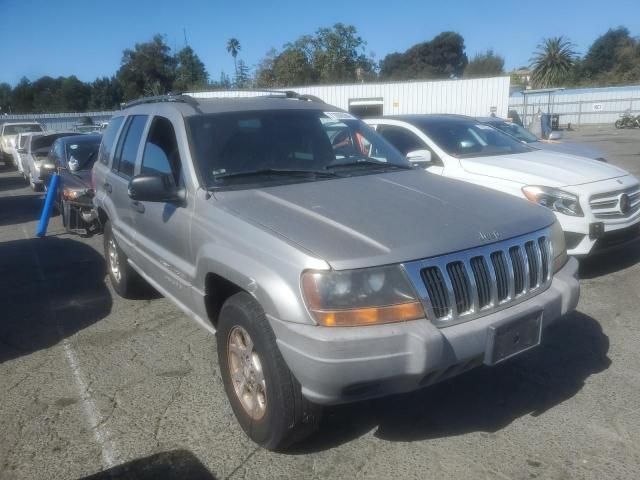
(577, 109)
(58, 121)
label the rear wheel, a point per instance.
(265, 396)
(124, 279)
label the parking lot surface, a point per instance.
(95, 386)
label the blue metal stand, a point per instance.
(48, 205)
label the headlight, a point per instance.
(360, 297)
(70, 194)
(557, 200)
(558, 246)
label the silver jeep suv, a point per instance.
(329, 268)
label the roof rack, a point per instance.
(193, 102)
(169, 97)
(270, 93)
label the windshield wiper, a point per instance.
(285, 172)
(366, 161)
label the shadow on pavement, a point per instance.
(50, 288)
(482, 400)
(175, 464)
(12, 183)
(610, 262)
(20, 209)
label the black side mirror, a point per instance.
(155, 188)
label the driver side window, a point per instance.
(405, 141)
(161, 155)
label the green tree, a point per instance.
(148, 68)
(46, 95)
(601, 56)
(613, 58)
(106, 94)
(441, 57)
(331, 55)
(552, 63)
(5, 98)
(233, 47)
(338, 55)
(243, 79)
(627, 69)
(22, 96)
(292, 67)
(74, 94)
(264, 74)
(190, 71)
(486, 64)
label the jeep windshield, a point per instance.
(286, 146)
(463, 138)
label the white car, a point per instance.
(8, 134)
(34, 155)
(597, 204)
(20, 144)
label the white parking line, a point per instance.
(101, 434)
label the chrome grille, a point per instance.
(483, 280)
(607, 205)
(461, 288)
(437, 291)
(465, 285)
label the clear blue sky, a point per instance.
(86, 38)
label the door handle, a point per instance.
(137, 206)
(107, 187)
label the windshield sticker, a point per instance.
(340, 115)
(73, 147)
(484, 127)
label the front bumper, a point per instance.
(581, 243)
(340, 365)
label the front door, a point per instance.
(163, 228)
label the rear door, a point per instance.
(116, 184)
(163, 228)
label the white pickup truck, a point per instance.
(597, 204)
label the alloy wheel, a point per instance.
(246, 372)
(114, 260)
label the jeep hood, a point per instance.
(542, 167)
(388, 218)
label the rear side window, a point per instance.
(161, 155)
(125, 160)
(108, 140)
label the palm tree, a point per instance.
(233, 47)
(552, 62)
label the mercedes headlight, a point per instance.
(557, 200)
(558, 246)
(366, 296)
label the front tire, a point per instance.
(265, 396)
(618, 124)
(124, 279)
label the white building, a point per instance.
(474, 97)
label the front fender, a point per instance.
(278, 295)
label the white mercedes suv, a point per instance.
(597, 204)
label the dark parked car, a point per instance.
(73, 157)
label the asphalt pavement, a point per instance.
(95, 386)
